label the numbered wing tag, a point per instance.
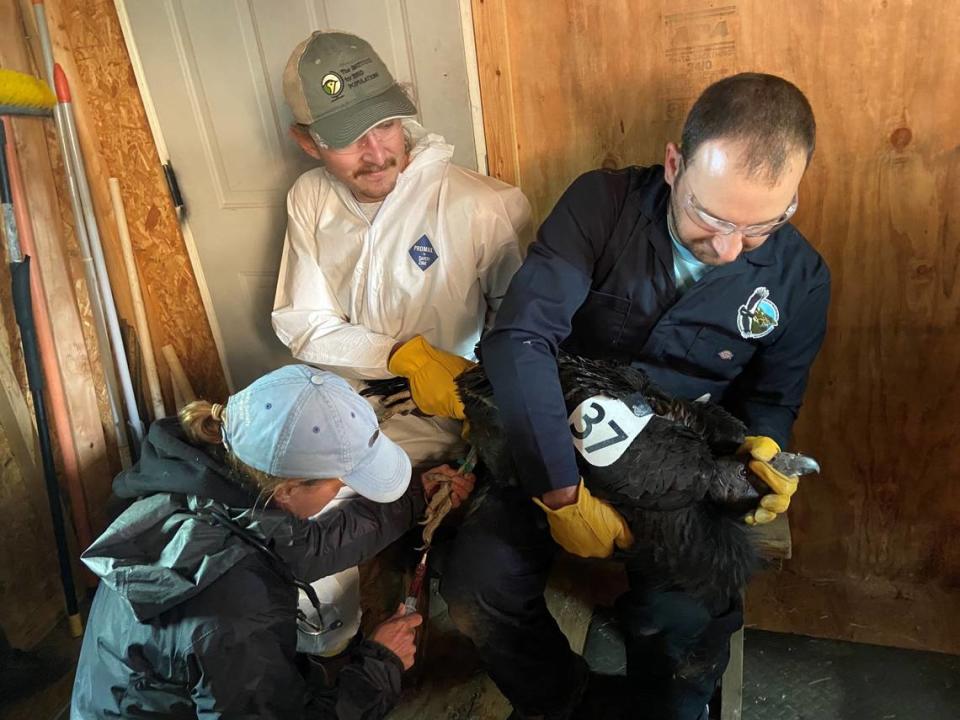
(603, 429)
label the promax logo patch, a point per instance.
(423, 253)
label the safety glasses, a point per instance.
(379, 133)
(699, 215)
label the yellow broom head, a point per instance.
(24, 94)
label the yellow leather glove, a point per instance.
(763, 449)
(431, 373)
(589, 527)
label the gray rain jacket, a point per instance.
(191, 621)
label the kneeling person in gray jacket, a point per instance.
(197, 613)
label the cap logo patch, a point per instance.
(332, 84)
(758, 316)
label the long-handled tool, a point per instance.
(114, 399)
(23, 309)
(95, 248)
(88, 235)
(56, 392)
(95, 293)
(24, 89)
(136, 295)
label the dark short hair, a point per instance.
(768, 114)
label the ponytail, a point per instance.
(202, 421)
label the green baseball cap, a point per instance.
(337, 85)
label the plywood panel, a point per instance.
(116, 142)
(608, 83)
(489, 19)
(874, 611)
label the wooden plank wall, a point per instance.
(116, 141)
(30, 595)
(571, 85)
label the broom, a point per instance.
(24, 95)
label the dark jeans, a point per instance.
(494, 576)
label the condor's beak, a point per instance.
(794, 464)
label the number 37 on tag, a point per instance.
(603, 428)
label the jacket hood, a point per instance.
(169, 463)
(159, 553)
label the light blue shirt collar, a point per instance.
(686, 268)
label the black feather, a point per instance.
(676, 486)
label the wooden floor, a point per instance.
(450, 684)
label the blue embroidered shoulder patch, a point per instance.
(423, 253)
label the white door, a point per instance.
(211, 69)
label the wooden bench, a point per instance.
(775, 546)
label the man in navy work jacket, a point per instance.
(691, 272)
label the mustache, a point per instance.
(368, 169)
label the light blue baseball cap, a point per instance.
(300, 422)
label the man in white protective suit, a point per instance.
(394, 260)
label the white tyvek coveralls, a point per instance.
(350, 289)
(339, 596)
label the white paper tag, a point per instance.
(603, 428)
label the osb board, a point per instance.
(608, 84)
(116, 142)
